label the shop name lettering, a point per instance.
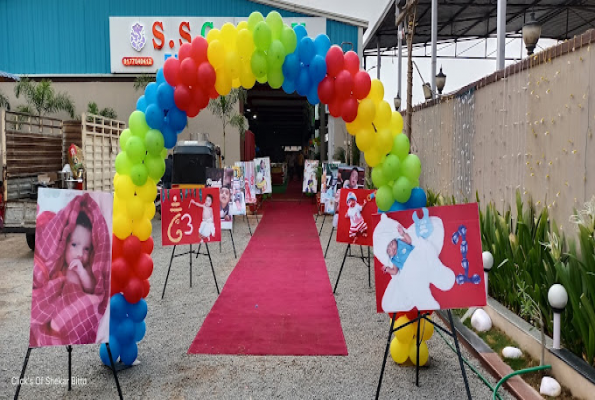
(184, 32)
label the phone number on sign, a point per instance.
(48, 380)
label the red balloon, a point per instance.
(351, 62)
(131, 249)
(120, 271)
(116, 247)
(192, 110)
(199, 49)
(335, 107)
(206, 75)
(349, 109)
(361, 85)
(411, 314)
(144, 266)
(343, 84)
(171, 71)
(115, 287)
(133, 291)
(199, 97)
(334, 61)
(188, 74)
(326, 90)
(213, 93)
(146, 287)
(147, 245)
(182, 97)
(185, 51)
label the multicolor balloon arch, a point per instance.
(258, 50)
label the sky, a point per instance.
(459, 72)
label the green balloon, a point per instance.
(275, 55)
(402, 189)
(276, 78)
(289, 39)
(123, 164)
(154, 142)
(400, 146)
(139, 174)
(261, 79)
(378, 177)
(384, 198)
(391, 167)
(411, 167)
(258, 63)
(124, 136)
(138, 124)
(254, 19)
(262, 36)
(155, 166)
(275, 22)
(135, 149)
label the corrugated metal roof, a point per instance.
(72, 36)
(6, 77)
(459, 19)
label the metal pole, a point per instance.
(501, 34)
(434, 44)
(400, 63)
(378, 58)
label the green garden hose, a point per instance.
(519, 372)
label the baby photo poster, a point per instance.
(354, 221)
(428, 259)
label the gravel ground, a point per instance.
(168, 372)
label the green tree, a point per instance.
(4, 101)
(41, 98)
(223, 107)
(107, 112)
(141, 81)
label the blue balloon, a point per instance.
(291, 67)
(322, 44)
(114, 347)
(313, 95)
(169, 137)
(288, 86)
(129, 353)
(154, 116)
(317, 69)
(141, 103)
(177, 118)
(125, 332)
(302, 84)
(137, 312)
(165, 96)
(160, 76)
(418, 199)
(118, 308)
(151, 93)
(140, 329)
(300, 32)
(306, 50)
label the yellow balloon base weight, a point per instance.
(423, 353)
(399, 351)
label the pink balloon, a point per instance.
(188, 72)
(185, 51)
(351, 62)
(171, 71)
(326, 90)
(206, 75)
(343, 84)
(182, 97)
(349, 109)
(334, 61)
(361, 85)
(199, 49)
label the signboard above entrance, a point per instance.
(142, 44)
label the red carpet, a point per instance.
(278, 300)
(293, 192)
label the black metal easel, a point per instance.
(190, 253)
(452, 333)
(248, 222)
(366, 263)
(323, 219)
(69, 349)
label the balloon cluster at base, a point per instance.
(403, 347)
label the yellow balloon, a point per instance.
(365, 138)
(216, 54)
(247, 78)
(399, 351)
(229, 36)
(384, 141)
(232, 64)
(124, 188)
(122, 226)
(426, 329)
(423, 353)
(366, 111)
(396, 122)
(142, 229)
(148, 191)
(150, 210)
(242, 25)
(373, 156)
(235, 83)
(376, 91)
(383, 115)
(245, 44)
(136, 207)
(116, 177)
(223, 83)
(213, 34)
(404, 334)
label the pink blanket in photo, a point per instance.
(76, 314)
